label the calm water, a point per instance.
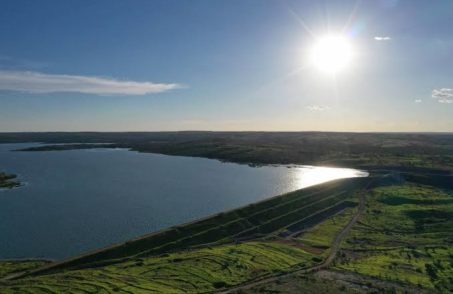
(80, 200)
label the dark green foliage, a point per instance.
(431, 271)
(13, 267)
(346, 149)
(317, 259)
(219, 284)
(8, 181)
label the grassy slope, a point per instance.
(405, 236)
(8, 267)
(183, 272)
(323, 234)
(402, 244)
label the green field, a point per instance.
(406, 236)
(322, 235)
(403, 243)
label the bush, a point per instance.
(219, 284)
(317, 259)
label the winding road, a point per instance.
(334, 248)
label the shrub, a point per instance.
(219, 284)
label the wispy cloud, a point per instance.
(382, 38)
(36, 82)
(418, 100)
(443, 95)
(317, 107)
(12, 63)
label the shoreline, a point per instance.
(26, 259)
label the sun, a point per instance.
(332, 54)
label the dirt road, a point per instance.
(334, 248)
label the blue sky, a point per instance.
(223, 65)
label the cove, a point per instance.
(79, 200)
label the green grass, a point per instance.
(404, 215)
(8, 267)
(408, 266)
(192, 271)
(406, 235)
(324, 233)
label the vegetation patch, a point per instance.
(345, 149)
(192, 271)
(8, 181)
(405, 236)
(9, 267)
(324, 233)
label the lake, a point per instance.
(79, 200)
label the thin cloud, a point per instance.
(317, 107)
(443, 95)
(11, 63)
(382, 38)
(36, 82)
(418, 100)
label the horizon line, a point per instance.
(235, 131)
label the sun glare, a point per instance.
(331, 54)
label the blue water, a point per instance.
(80, 200)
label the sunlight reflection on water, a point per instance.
(313, 175)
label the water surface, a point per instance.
(80, 200)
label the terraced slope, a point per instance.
(195, 271)
(402, 243)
